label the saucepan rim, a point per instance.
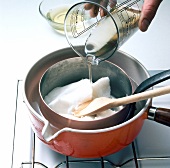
(41, 118)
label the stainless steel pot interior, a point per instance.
(31, 85)
(74, 69)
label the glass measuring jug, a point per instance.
(97, 28)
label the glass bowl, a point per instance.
(54, 12)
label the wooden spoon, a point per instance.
(103, 103)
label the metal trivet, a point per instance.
(99, 163)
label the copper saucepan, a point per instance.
(74, 142)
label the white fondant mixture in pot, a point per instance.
(63, 100)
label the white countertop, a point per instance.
(25, 37)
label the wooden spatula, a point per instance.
(103, 103)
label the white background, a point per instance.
(25, 37)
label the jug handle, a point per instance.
(160, 115)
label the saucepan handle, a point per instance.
(160, 115)
(146, 84)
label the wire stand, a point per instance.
(100, 162)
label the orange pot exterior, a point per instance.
(84, 143)
(93, 144)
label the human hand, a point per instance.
(149, 10)
(95, 9)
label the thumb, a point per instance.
(149, 10)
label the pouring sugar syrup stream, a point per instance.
(101, 36)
